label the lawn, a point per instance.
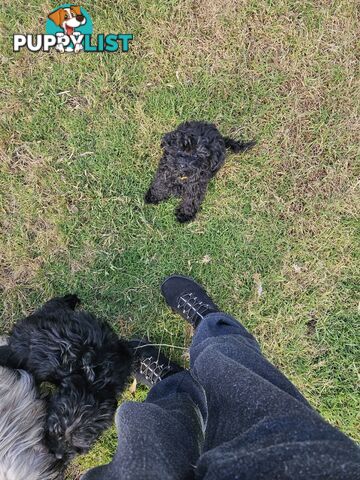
(276, 241)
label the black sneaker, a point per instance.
(150, 365)
(187, 298)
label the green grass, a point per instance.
(79, 143)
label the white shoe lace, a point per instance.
(192, 308)
(152, 371)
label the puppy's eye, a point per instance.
(66, 16)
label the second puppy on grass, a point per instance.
(193, 154)
(85, 359)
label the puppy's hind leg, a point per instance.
(159, 190)
(191, 201)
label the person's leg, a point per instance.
(163, 436)
(237, 343)
(240, 384)
(259, 425)
(242, 387)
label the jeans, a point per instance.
(232, 416)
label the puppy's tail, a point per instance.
(236, 146)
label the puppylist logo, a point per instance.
(69, 28)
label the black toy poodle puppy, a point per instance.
(193, 154)
(88, 362)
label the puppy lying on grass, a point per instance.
(193, 154)
(85, 359)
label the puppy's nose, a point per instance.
(80, 18)
(59, 455)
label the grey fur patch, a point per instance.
(23, 455)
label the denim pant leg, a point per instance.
(161, 437)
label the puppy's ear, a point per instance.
(76, 9)
(58, 16)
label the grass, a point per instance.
(79, 143)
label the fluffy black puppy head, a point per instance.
(194, 147)
(188, 151)
(76, 418)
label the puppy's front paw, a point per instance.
(183, 217)
(151, 198)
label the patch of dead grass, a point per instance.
(23, 159)
(16, 273)
(84, 263)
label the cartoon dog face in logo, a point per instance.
(69, 19)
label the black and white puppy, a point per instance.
(193, 154)
(85, 359)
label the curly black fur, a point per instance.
(77, 415)
(85, 358)
(193, 154)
